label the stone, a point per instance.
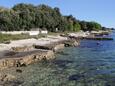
(22, 48)
(71, 43)
(19, 70)
(75, 77)
(25, 58)
(58, 47)
(6, 77)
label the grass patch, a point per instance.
(6, 38)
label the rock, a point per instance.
(12, 83)
(25, 58)
(62, 53)
(22, 48)
(64, 35)
(10, 53)
(19, 70)
(7, 42)
(9, 80)
(6, 77)
(62, 63)
(75, 77)
(70, 43)
(58, 47)
(76, 43)
(4, 63)
(55, 47)
(46, 47)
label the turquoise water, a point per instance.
(86, 65)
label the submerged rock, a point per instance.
(62, 63)
(75, 77)
(12, 83)
(19, 70)
(6, 77)
(62, 53)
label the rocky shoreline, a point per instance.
(25, 52)
(22, 53)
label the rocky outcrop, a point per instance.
(46, 47)
(71, 43)
(58, 47)
(55, 47)
(22, 48)
(25, 58)
(24, 54)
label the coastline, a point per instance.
(27, 51)
(21, 53)
(43, 45)
(30, 51)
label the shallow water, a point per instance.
(87, 65)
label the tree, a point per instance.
(5, 20)
(77, 27)
(83, 25)
(93, 26)
(27, 16)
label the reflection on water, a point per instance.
(87, 65)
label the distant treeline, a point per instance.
(27, 16)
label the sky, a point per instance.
(101, 11)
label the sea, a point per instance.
(92, 63)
